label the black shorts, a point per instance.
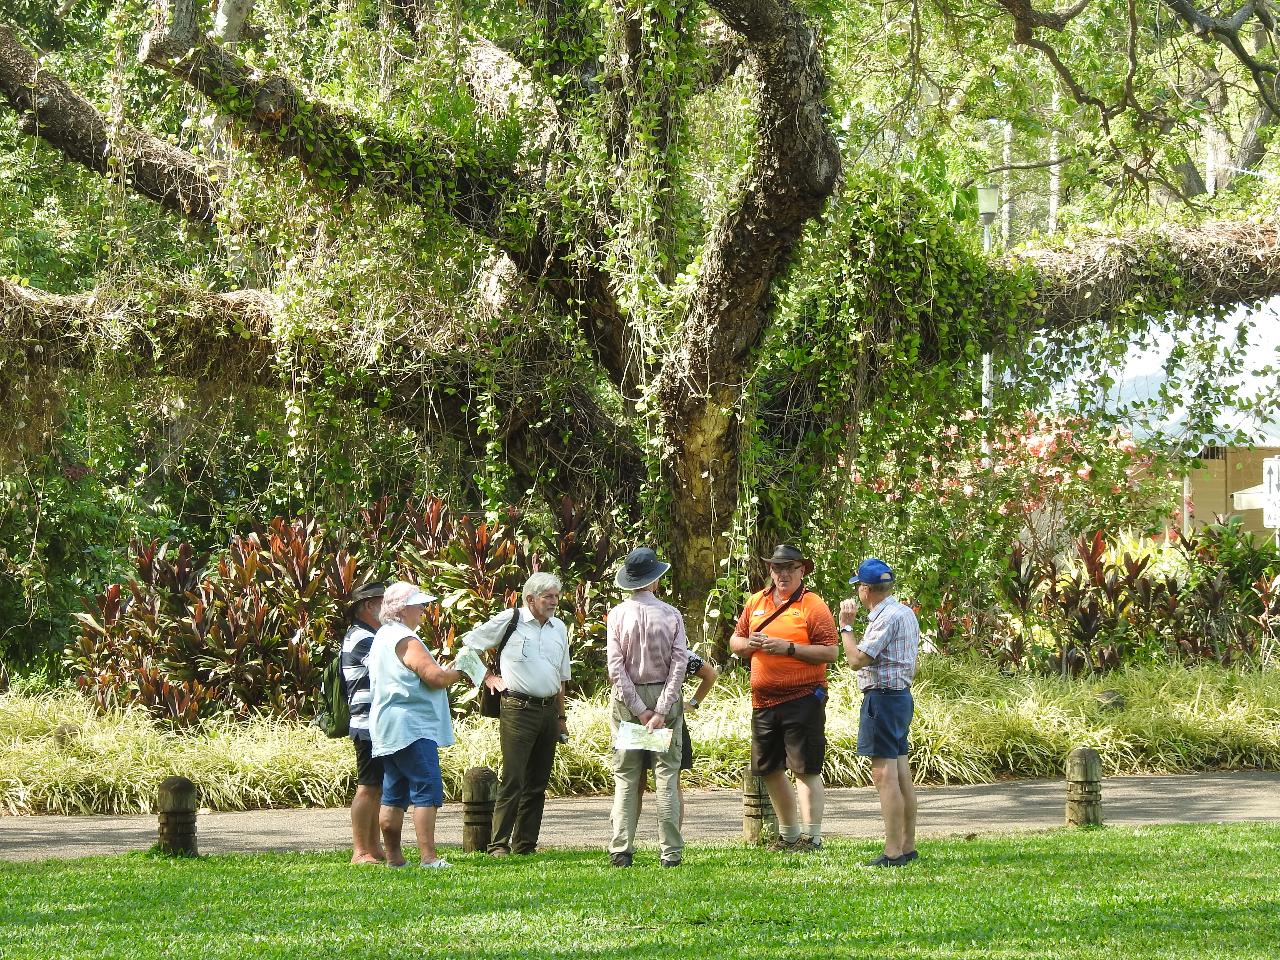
(368, 767)
(793, 734)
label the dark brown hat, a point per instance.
(368, 591)
(786, 553)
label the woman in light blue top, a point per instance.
(408, 722)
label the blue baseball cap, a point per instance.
(872, 571)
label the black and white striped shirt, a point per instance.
(355, 675)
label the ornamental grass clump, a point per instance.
(60, 754)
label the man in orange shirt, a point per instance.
(789, 636)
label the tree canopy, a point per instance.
(696, 265)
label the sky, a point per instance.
(1143, 371)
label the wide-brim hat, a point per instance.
(640, 569)
(368, 591)
(873, 571)
(786, 553)
(420, 598)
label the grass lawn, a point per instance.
(1168, 892)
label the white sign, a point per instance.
(1271, 492)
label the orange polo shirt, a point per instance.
(777, 678)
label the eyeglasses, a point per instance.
(785, 567)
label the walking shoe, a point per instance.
(909, 856)
(620, 859)
(887, 861)
(499, 852)
(782, 845)
(807, 844)
(440, 863)
(672, 861)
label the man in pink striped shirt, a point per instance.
(647, 651)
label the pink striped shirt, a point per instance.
(646, 644)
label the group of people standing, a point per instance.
(400, 715)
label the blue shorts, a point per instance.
(884, 722)
(411, 776)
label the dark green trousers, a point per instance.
(528, 733)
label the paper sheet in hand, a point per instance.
(469, 662)
(635, 736)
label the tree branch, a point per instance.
(475, 182)
(1100, 280)
(51, 110)
(228, 339)
(794, 170)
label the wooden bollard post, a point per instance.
(176, 802)
(1084, 788)
(759, 822)
(479, 792)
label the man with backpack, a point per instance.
(366, 601)
(533, 665)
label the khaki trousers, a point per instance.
(629, 770)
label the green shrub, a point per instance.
(1207, 596)
(60, 754)
(249, 633)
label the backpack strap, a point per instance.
(773, 616)
(506, 635)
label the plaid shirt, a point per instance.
(892, 641)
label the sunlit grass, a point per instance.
(1183, 892)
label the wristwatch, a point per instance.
(791, 649)
(847, 628)
(693, 702)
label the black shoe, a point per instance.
(620, 859)
(909, 856)
(887, 861)
(671, 861)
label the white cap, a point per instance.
(419, 599)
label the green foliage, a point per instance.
(974, 724)
(249, 633)
(1208, 596)
(870, 361)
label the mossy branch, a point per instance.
(69, 123)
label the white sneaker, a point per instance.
(437, 864)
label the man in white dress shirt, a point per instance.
(534, 665)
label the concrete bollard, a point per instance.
(1084, 788)
(479, 792)
(176, 803)
(759, 822)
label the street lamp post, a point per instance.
(988, 207)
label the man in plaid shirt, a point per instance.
(886, 664)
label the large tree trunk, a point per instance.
(794, 170)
